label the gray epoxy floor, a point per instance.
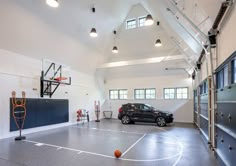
(93, 144)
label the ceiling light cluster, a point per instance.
(149, 21)
(114, 49)
(93, 33)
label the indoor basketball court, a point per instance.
(94, 144)
(117, 83)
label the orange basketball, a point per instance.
(117, 153)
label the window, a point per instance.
(182, 93)
(149, 93)
(226, 80)
(113, 94)
(144, 107)
(222, 78)
(139, 93)
(130, 24)
(169, 93)
(234, 71)
(195, 93)
(175, 93)
(123, 94)
(204, 88)
(118, 94)
(141, 21)
(201, 89)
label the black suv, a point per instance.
(137, 112)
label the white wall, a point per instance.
(182, 109)
(226, 37)
(21, 73)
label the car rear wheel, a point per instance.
(125, 119)
(161, 122)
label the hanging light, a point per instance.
(149, 20)
(52, 3)
(158, 43)
(93, 32)
(115, 50)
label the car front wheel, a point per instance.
(125, 119)
(161, 122)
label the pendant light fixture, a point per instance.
(93, 32)
(149, 20)
(115, 49)
(52, 3)
(158, 43)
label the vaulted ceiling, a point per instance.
(62, 34)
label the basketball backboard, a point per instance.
(53, 71)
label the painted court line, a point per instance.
(39, 144)
(109, 130)
(71, 149)
(107, 156)
(181, 148)
(112, 157)
(133, 145)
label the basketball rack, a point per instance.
(50, 82)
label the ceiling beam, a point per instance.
(141, 61)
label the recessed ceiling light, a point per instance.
(158, 43)
(52, 3)
(115, 50)
(93, 32)
(149, 20)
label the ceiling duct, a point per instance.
(193, 75)
(201, 55)
(212, 33)
(221, 13)
(178, 68)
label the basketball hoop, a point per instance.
(53, 75)
(60, 78)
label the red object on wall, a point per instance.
(79, 115)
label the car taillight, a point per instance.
(120, 109)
